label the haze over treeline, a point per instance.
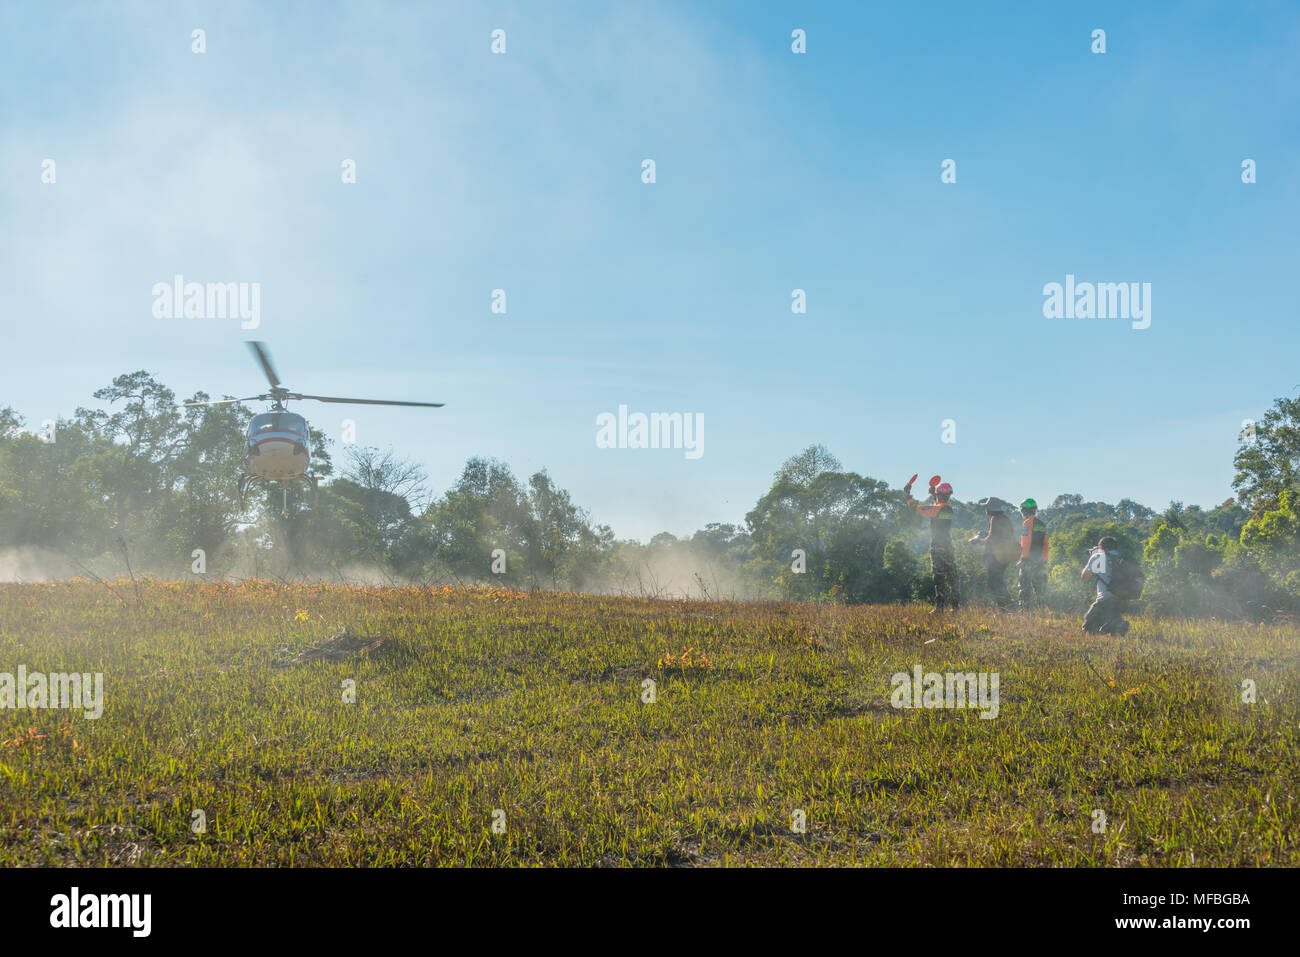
(150, 488)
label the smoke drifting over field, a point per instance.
(33, 564)
(653, 573)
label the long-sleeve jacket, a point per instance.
(1000, 539)
(940, 515)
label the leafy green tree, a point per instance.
(50, 494)
(839, 520)
(1131, 512)
(485, 510)
(903, 578)
(1269, 463)
(138, 446)
(553, 526)
(803, 468)
(1161, 545)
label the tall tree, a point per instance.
(1268, 462)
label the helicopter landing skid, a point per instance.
(248, 481)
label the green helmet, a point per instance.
(1029, 503)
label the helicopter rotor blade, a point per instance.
(334, 398)
(263, 356)
(251, 398)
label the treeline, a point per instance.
(152, 488)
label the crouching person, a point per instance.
(1119, 580)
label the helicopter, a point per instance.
(278, 447)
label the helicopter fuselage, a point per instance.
(278, 444)
(278, 447)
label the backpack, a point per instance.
(1126, 578)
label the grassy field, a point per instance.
(229, 699)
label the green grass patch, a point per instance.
(477, 700)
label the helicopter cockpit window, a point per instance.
(279, 422)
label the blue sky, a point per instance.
(775, 171)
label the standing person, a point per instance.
(943, 564)
(1105, 617)
(1032, 567)
(999, 549)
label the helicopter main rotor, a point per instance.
(279, 395)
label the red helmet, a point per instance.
(944, 489)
